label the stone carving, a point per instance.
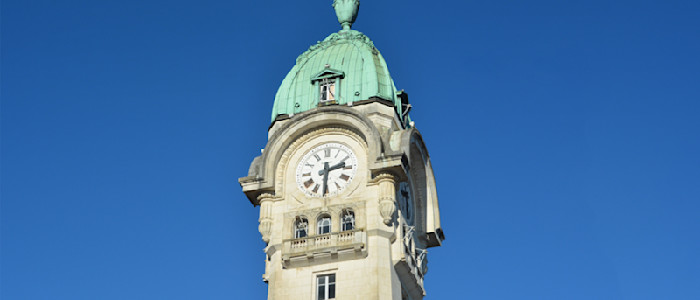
(387, 209)
(265, 226)
(387, 203)
(265, 229)
(346, 10)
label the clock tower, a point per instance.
(348, 204)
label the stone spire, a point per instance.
(346, 10)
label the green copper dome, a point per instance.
(351, 58)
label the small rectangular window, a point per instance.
(325, 287)
(327, 90)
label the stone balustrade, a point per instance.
(329, 243)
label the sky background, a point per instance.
(564, 135)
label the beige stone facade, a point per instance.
(381, 222)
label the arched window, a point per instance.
(301, 227)
(347, 220)
(324, 224)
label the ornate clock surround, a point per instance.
(285, 181)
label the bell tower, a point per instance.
(347, 196)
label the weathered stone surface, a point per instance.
(372, 261)
(389, 187)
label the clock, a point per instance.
(326, 170)
(406, 202)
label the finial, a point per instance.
(346, 10)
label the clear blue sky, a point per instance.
(565, 138)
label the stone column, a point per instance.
(387, 196)
(265, 220)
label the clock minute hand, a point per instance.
(335, 167)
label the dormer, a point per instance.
(327, 84)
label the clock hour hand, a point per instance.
(325, 171)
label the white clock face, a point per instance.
(326, 170)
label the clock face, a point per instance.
(406, 202)
(326, 170)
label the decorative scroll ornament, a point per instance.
(346, 10)
(408, 239)
(416, 258)
(422, 261)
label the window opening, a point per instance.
(301, 226)
(327, 90)
(325, 287)
(324, 225)
(347, 220)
